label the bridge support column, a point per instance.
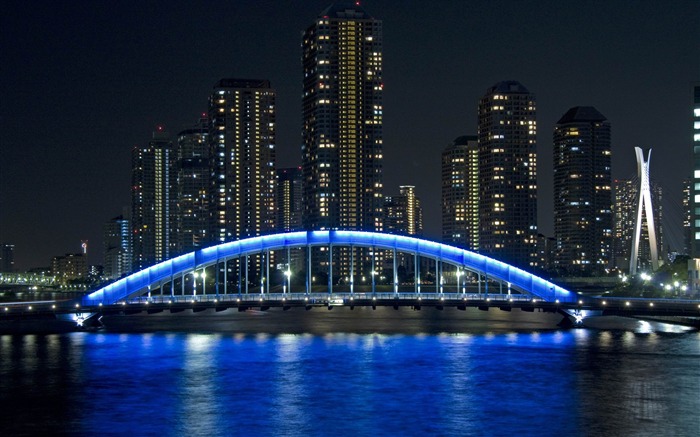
(262, 273)
(438, 277)
(396, 278)
(478, 284)
(240, 273)
(352, 270)
(330, 269)
(225, 277)
(267, 273)
(415, 272)
(216, 280)
(373, 273)
(247, 283)
(172, 286)
(308, 269)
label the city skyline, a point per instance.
(70, 173)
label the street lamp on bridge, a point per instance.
(196, 275)
(288, 275)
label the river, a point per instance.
(359, 373)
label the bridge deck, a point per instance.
(242, 302)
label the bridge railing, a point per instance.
(335, 298)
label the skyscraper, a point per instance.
(289, 192)
(7, 258)
(403, 213)
(342, 120)
(153, 200)
(582, 192)
(242, 159)
(507, 133)
(695, 199)
(687, 218)
(193, 186)
(460, 193)
(117, 247)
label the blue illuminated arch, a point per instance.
(167, 270)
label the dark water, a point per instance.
(359, 373)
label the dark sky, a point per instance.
(81, 83)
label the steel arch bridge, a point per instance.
(486, 269)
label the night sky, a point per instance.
(82, 83)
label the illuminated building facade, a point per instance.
(460, 193)
(507, 135)
(69, 267)
(582, 192)
(342, 120)
(193, 186)
(625, 213)
(403, 213)
(695, 189)
(153, 201)
(7, 258)
(242, 159)
(289, 192)
(687, 219)
(342, 137)
(117, 247)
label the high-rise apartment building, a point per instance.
(289, 192)
(342, 120)
(507, 134)
(625, 205)
(582, 192)
(403, 213)
(193, 180)
(242, 159)
(460, 193)
(695, 189)
(687, 219)
(117, 247)
(153, 201)
(7, 258)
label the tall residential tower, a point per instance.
(117, 247)
(153, 201)
(242, 159)
(289, 199)
(403, 214)
(342, 120)
(460, 193)
(695, 188)
(507, 133)
(193, 186)
(582, 192)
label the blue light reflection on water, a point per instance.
(577, 382)
(310, 385)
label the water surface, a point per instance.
(353, 373)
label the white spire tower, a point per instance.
(645, 205)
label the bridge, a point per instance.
(237, 275)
